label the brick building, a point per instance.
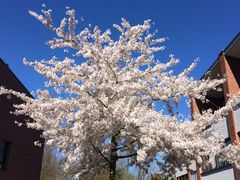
(19, 158)
(226, 65)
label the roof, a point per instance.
(9, 80)
(232, 49)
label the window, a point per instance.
(220, 163)
(209, 164)
(3, 152)
(183, 177)
(206, 166)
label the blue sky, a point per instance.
(194, 28)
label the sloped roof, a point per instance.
(232, 49)
(9, 80)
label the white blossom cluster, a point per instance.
(104, 108)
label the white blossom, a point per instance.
(104, 106)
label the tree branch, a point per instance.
(98, 150)
(118, 132)
(104, 105)
(126, 145)
(90, 94)
(126, 156)
(114, 74)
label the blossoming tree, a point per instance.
(105, 108)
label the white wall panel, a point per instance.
(222, 175)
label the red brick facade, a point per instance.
(195, 109)
(23, 159)
(228, 70)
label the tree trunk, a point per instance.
(112, 169)
(113, 160)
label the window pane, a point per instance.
(3, 147)
(220, 163)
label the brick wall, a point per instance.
(23, 160)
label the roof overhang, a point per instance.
(232, 49)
